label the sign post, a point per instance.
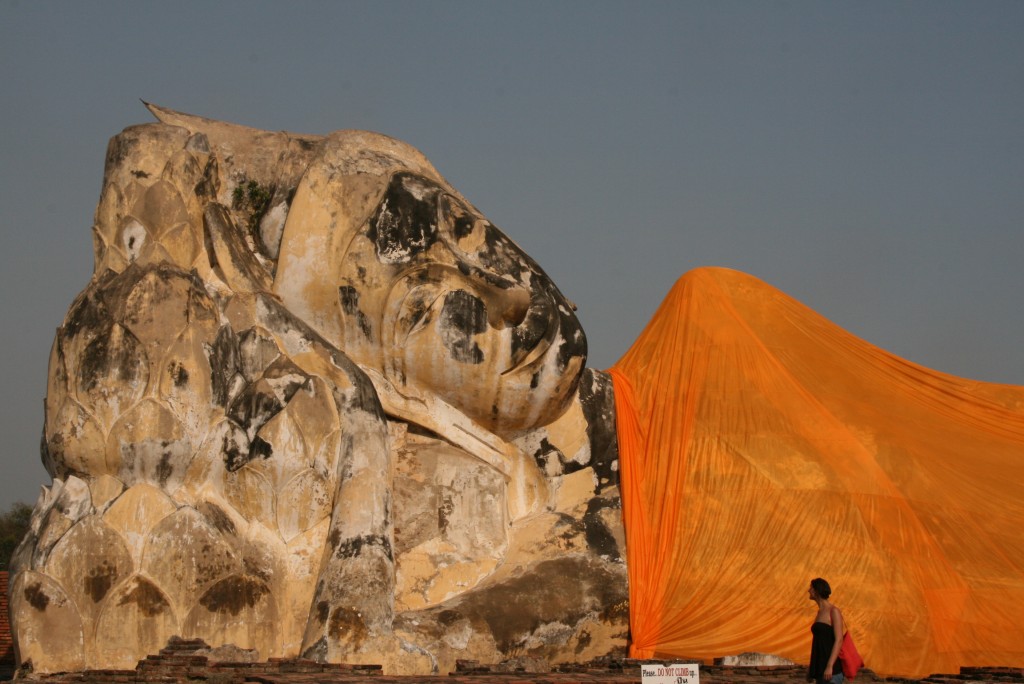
(677, 673)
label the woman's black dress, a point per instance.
(822, 641)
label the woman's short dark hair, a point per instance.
(821, 587)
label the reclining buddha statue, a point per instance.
(313, 403)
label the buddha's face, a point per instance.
(446, 304)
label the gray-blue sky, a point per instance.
(866, 158)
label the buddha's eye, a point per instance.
(458, 222)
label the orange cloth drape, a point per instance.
(762, 446)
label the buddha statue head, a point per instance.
(399, 271)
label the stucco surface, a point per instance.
(313, 403)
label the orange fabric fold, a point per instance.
(762, 445)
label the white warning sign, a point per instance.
(678, 673)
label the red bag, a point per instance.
(852, 662)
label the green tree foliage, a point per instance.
(254, 199)
(13, 528)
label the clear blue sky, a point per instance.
(864, 157)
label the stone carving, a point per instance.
(313, 403)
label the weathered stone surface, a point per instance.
(312, 403)
(751, 659)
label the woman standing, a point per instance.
(827, 633)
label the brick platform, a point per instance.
(6, 642)
(180, 661)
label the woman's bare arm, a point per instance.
(837, 627)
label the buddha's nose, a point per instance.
(511, 308)
(537, 323)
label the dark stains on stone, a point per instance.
(444, 511)
(574, 346)
(447, 618)
(198, 142)
(551, 459)
(164, 467)
(258, 402)
(562, 591)
(388, 512)
(463, 316)
(88, 315)
(47, 456)
(569, 527)
(597, 400)
(178, 373)
(416, 309)
(364, 397)
(224, 364)
(356, 546)
(550, 450)
(233, 594)
(349, 298)
(211, 252)
(217, 517)
(282, 321)
(260, 449)
(345, 624)
(116, 355)
(149, 600)
(599, 538)
(139, 174)
(502, 264)
(405, 222)
(235, 447)
(212, 560)
(419, 311)
(120, 148)
(253, 567)
(582, 641)
(317, 652)
(52, 454)
(257, 350)
(415, 429)
(529, 333)
(134, 454)
(322, 611)
(498, 282)
(459, 220)
(36, 597)
(208, 187)
(58, 369)
(498, 254)
(616, 612)
(294, 378)
(345, 460)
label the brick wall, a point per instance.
(6, 644)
